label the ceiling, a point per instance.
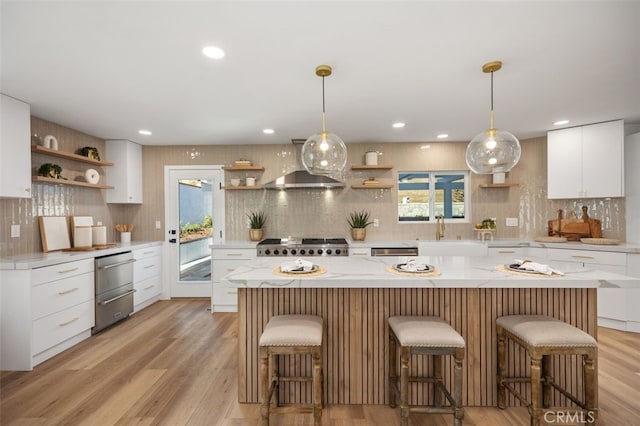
(111, 68)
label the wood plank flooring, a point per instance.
(176, 364)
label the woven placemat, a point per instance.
(433, 273)
(600, 241)
(320, 271)
(501, 268)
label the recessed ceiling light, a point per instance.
(442, 136)
(213, 52)
(145, 132)
(398, 125)
(268, 131)
(560, 122)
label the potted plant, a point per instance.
(358, 221)
(256, 225)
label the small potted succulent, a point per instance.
(358, 221)
(256, 225)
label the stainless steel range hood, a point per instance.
(302, 178)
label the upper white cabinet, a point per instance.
(126, 174)
(586, 162)
(15, 148)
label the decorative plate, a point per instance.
(515, 267)
(314, 268)
(400, 268)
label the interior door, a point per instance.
(194, 214)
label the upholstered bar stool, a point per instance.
(542, 337)
(431, 336)
(290, 335)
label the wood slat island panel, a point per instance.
(356, 338)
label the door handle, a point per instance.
(172, 240)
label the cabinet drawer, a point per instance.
(56, 296)
(590, 257)
(217, 253)
(147, 252)
(220, 268)
(360, 251)
(223, 295)
(60, 271)
(146, 268)
(507, 252)
(56, 328)
(146, 289)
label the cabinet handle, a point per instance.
(149, 266)
(150, 287)
(359, 254)
(506, 251)
(148, 252)
(582, 257)
(233, 292)
(234, 254)
(71, 290)
(68, 322)
(231, 269)
(66, 271)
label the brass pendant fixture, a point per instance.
(324, 153)
(494, 150)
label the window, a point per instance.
(423, 196)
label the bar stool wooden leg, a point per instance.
(501, 373)
(536, 394)
(437, 374)
(404, 386)
(590, 388)
(265, 385)
(457, 387)
(393, 374)
(547, 389)
(317, 387)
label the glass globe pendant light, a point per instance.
(493, 151)
(324, 153)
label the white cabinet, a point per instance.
(223, 261)
(45, 311)
(586, 162)
(147, 277)
(126, 174)
(15, 148)
(360, 251)
(453, 248)
(632, 188)
(507, 253)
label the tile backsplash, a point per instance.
(300, 212)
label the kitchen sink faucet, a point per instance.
(439, 227)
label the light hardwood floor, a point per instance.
(176, 364)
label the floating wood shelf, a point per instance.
(241, 187)
(371, 186)
(69, 156)
(498, 185)
(52, 181)
(376, 167)
(243, 169)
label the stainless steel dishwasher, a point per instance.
(114, 289)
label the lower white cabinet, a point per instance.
(147, 277)
(507, 253)
(223, 261)
(45, 311)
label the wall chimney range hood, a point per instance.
(301, 178)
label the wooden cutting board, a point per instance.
(54, 233)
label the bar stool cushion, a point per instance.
(541, 330)
(292, 330)
(425, 332)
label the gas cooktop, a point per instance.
(303, 247)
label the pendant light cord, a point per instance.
(491, 118)
(323, 115)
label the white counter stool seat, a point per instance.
(291, 335)
(432, 336)
(542, 337)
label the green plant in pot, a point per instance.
(256, 225)
(358, 221)
(50, 170)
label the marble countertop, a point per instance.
(456, 272)
(38, 260)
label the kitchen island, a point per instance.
(356, 296)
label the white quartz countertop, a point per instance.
(38, 260)
(239, 244)
(456, 272)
